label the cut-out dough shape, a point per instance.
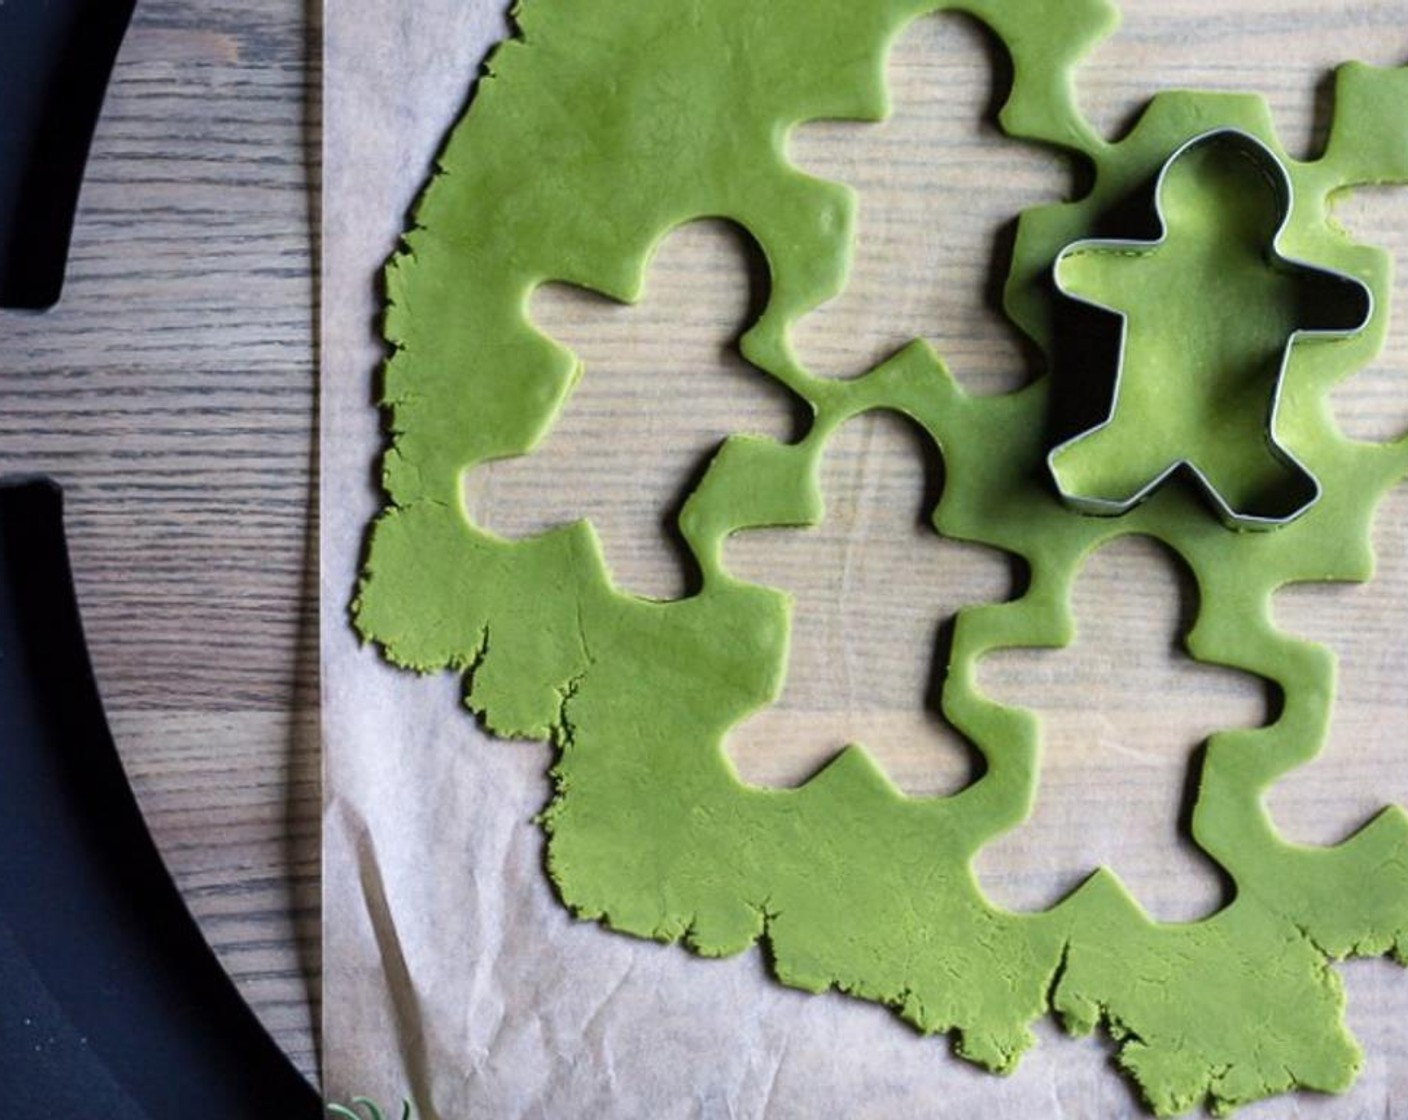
(867, 650)
(1115, 772)
(1361, 765)
(922, 262)
(602, 128)
(635, 360)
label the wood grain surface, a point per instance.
(171, 393)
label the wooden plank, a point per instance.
(171, 393)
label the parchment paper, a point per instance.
(452, 974)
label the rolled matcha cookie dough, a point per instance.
(591, 136)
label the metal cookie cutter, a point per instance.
(1279, 179)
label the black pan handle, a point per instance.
(111, 1002)
(55, 60)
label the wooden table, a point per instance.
(172, 394)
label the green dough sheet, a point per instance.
(595, 132)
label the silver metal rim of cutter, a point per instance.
(1279, 178)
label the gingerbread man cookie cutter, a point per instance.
(1361, 300)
